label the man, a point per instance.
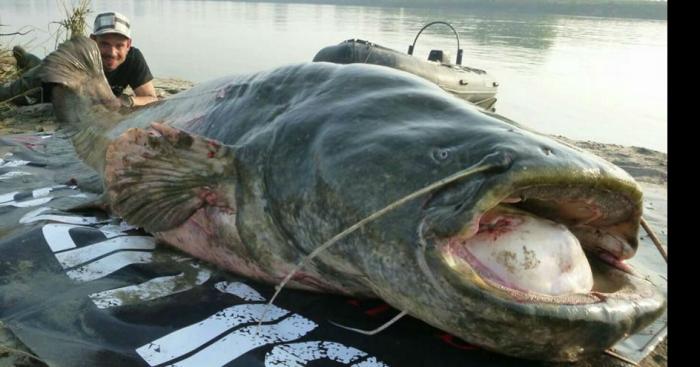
(123, 65)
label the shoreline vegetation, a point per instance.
(642, 9)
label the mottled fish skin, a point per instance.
(254, 172)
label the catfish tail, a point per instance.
(73, 64)
(82, 97)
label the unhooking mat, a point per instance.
(86, 289)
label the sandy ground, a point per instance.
(645, 165)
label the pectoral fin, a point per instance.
(158, 177)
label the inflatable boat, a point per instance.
(471, 84)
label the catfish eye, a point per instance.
(441, 155)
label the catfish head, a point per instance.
(524, 256)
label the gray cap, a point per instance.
(112, 22)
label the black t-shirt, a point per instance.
(133, 72)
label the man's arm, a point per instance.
(145, 94)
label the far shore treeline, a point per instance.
(645, 9)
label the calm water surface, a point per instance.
(601, 79)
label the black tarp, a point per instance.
(85, 289)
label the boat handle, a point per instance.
(459, 50)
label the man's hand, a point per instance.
(126, 100)
(144, 94)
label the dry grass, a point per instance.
(8, 66)
(74, 24)
(8, 69)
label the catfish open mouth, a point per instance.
(550, 244)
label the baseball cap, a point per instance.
(112, 22)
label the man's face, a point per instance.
(113, 48)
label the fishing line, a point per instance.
(375, 331)
(654, 239)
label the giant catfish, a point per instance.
(524, 254)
